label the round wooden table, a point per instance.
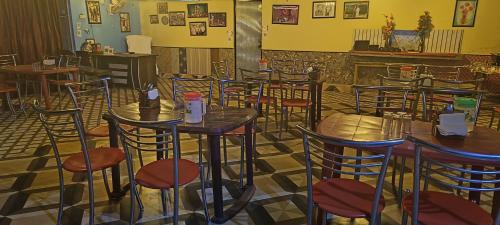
(217, 121)
(482, 143)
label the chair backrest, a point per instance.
(90, 94)
(140, 44)
(397, 81)
(221, 69)
(202, 85)
(290, 80)
(8, 60)
(63, 124)
(264, 76)
(333, 165)
(58, 59)
(393, 70)
(251, 92)
(381, 98)
(285, 65)
(321, 66)
(476, 84)
(72, 61)
(445, 72)
(429, 95)
(455, 176)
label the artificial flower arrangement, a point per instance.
(424, 28)
(387, 29)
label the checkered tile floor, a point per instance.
(29, 184)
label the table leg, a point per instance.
(495, 209)
(312, 113)
(249, 152)
(45, 91)
(117, 191)
(214, 148)
(319, 90)
(476, 195)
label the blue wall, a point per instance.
(107, 33)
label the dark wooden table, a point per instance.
(482, 142)
(42, 76)
(217, 121)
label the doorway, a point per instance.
(248, 40)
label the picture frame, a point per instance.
(125, 22)
(199, 10)
(164, 19)
(162, 7)
(465, 13)
(217, 19)
(285, 14)
(324, 9)
(90, 41)
(198, 28)
(356, 10)
(153, 19)
(93, 12)
(177, 18)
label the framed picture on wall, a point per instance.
(465, 13)
(164, 20)
(286, 14)
(356, 10)
(153, 19)
(177, 18)
(162, 8)
(93, 12)
(217, 19)
(125, 22)
(197, 10)
(198, 28)
(325, 9)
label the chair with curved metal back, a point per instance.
(162, 174)
(345, 197)
(291, 80)
(67, 125)
(438, 207)
(66, 61)
(221, 69)
(429, 106)
(11, 84)
(386, 98)
(252, 94)
(445, 72)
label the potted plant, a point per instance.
(424, 28)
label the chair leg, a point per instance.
(224, 143)
(9, 103)
(242, 161)
(91, 197)
(281, 124)
(401, 179)
(59, 97)
(164, 201)
(204, 195)
(492, 118)
(132, 203)
(106, 184)
(61, 197)
(267, 117)
(286, 119)
(325, 214)
(276, 113)
(404, 219)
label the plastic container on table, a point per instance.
(467, 106)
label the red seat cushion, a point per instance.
(159, 174)
(238, 131)
(438, 208)
(345, 197)
(233, 89)
(263, 99)
(100, 158)
(103, 130)
(296, 103)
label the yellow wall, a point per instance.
(335, 35)
(178, 36)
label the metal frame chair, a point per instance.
(165, 139)
(10, 60)
(444, 72)
(329, 162)
(493, 111)
(447, 178)
(67, 61)
(291, 80)
(88, 161)
(253, 91)
(385, 99)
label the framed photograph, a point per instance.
(153, 19)
(162, 8)
(324, 9)
(286, 14)
(164, 20)
(465, 13)
(90, 41)
(125, 22)
(198, 28)
(93, 12)
(177, 18)
(217, 19)
(356, 10)
(406, 40)
(197, 10)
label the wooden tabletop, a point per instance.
(482, 142)
(217, 121)
(28, 69)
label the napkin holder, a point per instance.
(149, 99)
(447, 119)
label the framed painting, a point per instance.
(162, 8)
(177, 18)
(356, 10)
(465, 13)
(153, 19)
(198, 28)
(125, 22)
(286, 14)
(406, 40)
(217, 19)
(197, 10)
(325, 9)
(93, 12)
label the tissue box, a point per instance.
(145, 102)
